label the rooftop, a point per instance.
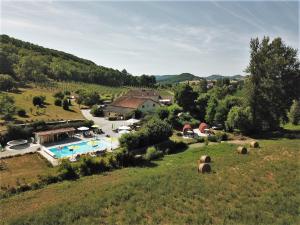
(56, 131)
(129, 102)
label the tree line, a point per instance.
(26, 62)
(270, 93)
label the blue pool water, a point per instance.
(79, 148)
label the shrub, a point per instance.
(97, 111)
(221, 136)
(38, 100)
(67, 171)
(21, 112)
(154, 131)
(124, 158)
(112, 118)
(48, 179)
(200, 139)
(153, 154)
(212, 138)
(59, 95)
(58, 102)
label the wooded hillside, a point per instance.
(27, 62)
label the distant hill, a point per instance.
(172, 79)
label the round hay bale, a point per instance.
(205, 159)
(204, 168)
(242, 150)
(254, 144)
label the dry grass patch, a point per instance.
(23, 168)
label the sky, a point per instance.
(151, 37)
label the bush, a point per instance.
(21, 112)
(221, 136)
(124, 158)
(200, 139)
(97, 111)
(67, 171)
(154, 131)
(59, 95)
(38, 100)
(112, 118)
(153, 154)
(48, 179)
(58, 102)
(212, 138)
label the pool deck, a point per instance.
(32, 148)
(22, 151)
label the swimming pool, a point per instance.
(79, 148)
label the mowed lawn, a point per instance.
(24, 168)
(259, 188)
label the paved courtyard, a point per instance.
(106, 125)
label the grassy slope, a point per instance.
(260, 188)
(23, 99)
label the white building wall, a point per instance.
(149, 106)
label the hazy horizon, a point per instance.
(154, 38)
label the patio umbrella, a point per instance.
(95, 126)
(83, 128)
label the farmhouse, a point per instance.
(125, 106)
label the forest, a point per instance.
(22, 62)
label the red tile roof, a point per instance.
(129, 102)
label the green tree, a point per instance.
(294, 113)
(240, 118)
(224, 107)
(211, 110)
(185, 97)
(7, 106)
(273, 83)
(65, 104)
(202, 86)
(201, 105)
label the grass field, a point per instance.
(24, 168)
(259, 188)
